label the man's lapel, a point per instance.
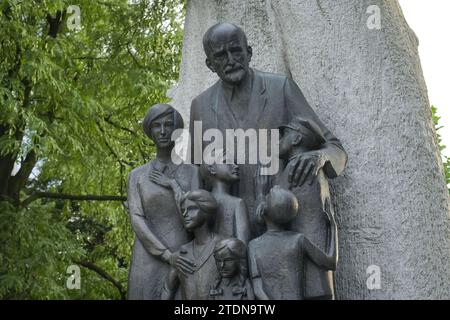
(215, 97)
(258, 99)
(222, 113)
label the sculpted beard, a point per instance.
(235, 73)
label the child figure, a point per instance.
(304, 138)
(231, 218)
(277, 258)
(231, 261)
(198, 210)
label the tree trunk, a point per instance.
(367, 86)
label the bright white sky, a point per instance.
(431, 23)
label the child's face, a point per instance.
(227, 264)
(193, 217)
(226, 172)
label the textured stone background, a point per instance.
(367, 86)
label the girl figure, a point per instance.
(232, 218)
(231, 262)
(301, 137)
(277, 258)
(199, 209)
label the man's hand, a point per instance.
(306, 165)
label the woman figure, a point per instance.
(154, 215)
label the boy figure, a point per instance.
(299, 138)
(198, 210)
(231, 261)
(232, 218)
(277, 258)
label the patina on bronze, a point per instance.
(245, 98)
(191, 243)
(153, 211)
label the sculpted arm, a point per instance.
(148, 239)
(195, 147)
(242, 223)
(182, 264)
(171, 285)
(164, 181)
(326, 259)
(255, 276)
(331, 156)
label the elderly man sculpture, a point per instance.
(245, 98)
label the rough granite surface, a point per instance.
(367, 86)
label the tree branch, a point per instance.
(104, 275)
(91, 58)
(121, 161)
(13, 184)
(134, 58)
(55, 23)
(63, 196)
(7, 160)
(108, 120)
(18, 181)
(6, 165)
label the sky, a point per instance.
(431, 23)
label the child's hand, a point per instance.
(260, 211)
(329, 212)
(263, 183)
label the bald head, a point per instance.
(227, 52)
(221, 33)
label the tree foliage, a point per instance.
(71, 103)
(445, 159)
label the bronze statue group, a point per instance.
(227, 231)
